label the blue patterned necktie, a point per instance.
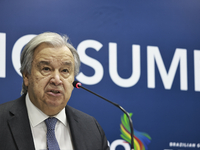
(52, 143)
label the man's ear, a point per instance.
(25, 78)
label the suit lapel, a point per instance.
(19, 125)
(78, 139)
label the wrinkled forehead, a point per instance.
(48, 53)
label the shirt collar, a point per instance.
(36, 116)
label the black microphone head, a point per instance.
(76, 84)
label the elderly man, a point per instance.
(41, 119)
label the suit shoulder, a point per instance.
(78, 113)
(5, 107)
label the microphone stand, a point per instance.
(78, 85)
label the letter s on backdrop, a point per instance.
(96, 65)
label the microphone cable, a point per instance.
(78, 85)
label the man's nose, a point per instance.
(56, 78)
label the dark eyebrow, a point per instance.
(43, 63)
(68, 63)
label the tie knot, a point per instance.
(51, 123)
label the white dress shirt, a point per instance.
(39, 129)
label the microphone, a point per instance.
(78, 85)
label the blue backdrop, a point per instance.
(143, 55)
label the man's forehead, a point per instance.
(49, 54)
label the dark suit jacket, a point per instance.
(15, 131)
